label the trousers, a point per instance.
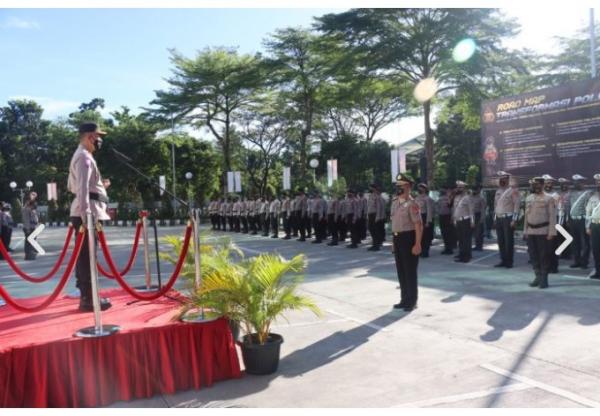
(406, 267)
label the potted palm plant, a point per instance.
(259, 290)
(218, 255)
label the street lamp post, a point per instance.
(314, 164)
(188, 177)
(28, 185)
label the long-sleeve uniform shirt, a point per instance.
(579, 199)
(444, 207)
(540, 215)
(507, 203)
(479, 204)
(319, 207)
(463, 208)
(275, 207)
(405, 214)
(592, 210)
(376, 205)
(426, 206)
(84, 177)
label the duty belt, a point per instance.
(510, 214)
(463, 218)
(596, 222)
(544, 224)
(578, 217)
(94, 196)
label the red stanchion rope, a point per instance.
(51, 273)
(136, 241)
(63, 281)
(125, 285)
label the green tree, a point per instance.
(208, 90)
(415, 44)
(298, 64)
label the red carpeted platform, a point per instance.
(43, 365)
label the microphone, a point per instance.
(121, 155)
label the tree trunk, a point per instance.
(428, 143)
(226, 153)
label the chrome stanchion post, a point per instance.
(198, 277)
(94, 272)
(98, 330)
(198, 272)
(148, 286)
(146, 252)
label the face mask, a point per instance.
(400, 191)
(459, 191)
(98, 144)
(548, 188)
(503, 183)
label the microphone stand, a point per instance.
(125, 160)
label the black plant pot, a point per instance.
(261, 359)
(234, 326)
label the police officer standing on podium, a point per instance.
(593, 225)
(539, 231)
(407, 230)
(85, 182)
(507, 203)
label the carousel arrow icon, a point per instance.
(568, 239)
(31, 239)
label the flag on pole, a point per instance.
(402, 159)
(331, 172)
(398, 162)
(230, 184)
(162, 181)
(394, 156)
(238, 181)
(287, 179)
(52, 192)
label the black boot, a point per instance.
(544, 282)
(87, 305)
(536, 281)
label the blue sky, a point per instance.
(62, 57)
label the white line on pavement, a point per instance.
(467, 396)
(482, 258)
(365, 323)
(330, 321)
(543, 386)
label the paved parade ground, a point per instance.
(481, 337)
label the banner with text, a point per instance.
(552, 131)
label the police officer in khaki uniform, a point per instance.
(479, 206)
(286, 212)
(319, 218)
(376, 217)
(539, 231)
(507, 203)
(353, 208)
(581, 240)
(301, 214)
(332, 220)
(407, 230)
(564, 209)
(274, 213)
(549, 182)
(444, 210)
(85, 182)
(464, 221)
(592, 217)
(426, 206)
